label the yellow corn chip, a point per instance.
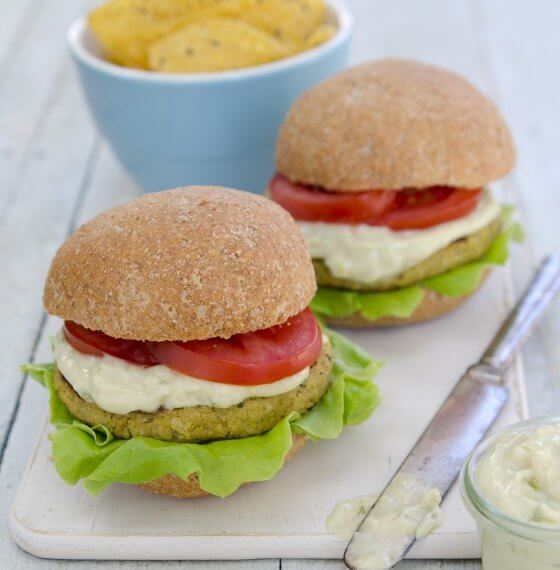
(214, 45)
(224, 9)
(318, 36)
(125, 28)
(289, 21)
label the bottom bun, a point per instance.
(433, 305)
(174, 486)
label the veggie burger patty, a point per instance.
(202, 423)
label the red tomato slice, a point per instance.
(97, 343)
(77, 342)
(260, 357)
(419, 209)
(315, 205)
(396, 209)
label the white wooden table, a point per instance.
(55, 173)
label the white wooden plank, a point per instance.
(523, 46)
(14, 27)
(110, 185)
(188, 565)
(34, 225)
(28, 87)
(435, 31)
(406, 565)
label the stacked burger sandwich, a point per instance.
(189, 362)
(386, 168)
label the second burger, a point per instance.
(386, 168)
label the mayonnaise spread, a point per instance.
(120, 387)
(520, 475)
(347, 515)
(366, 253)
(408, 509)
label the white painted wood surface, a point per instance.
(53, 174)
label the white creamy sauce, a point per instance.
(120, 387)
(408, 509)
(347, 515)
(366, 253)
(520, 475)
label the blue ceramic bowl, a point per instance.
(171, 130)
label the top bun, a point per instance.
(191, 263)
(394, 124)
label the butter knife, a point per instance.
(471, 408)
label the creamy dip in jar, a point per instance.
(511, 486)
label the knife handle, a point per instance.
(525, 316)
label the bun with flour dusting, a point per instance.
(385, 166)
(190, 263)
(186, 324)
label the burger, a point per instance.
(189, 362)
(386, 167)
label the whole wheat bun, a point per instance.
(191, 263)
(433, 305)
(394, 124)
(174, 486)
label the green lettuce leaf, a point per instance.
(352, 397)
(401, 303)
(338, 303)
(465, 279)
(92, 454)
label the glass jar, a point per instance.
(507, 543)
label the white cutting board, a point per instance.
(285, 517)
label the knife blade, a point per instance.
(463, 419)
